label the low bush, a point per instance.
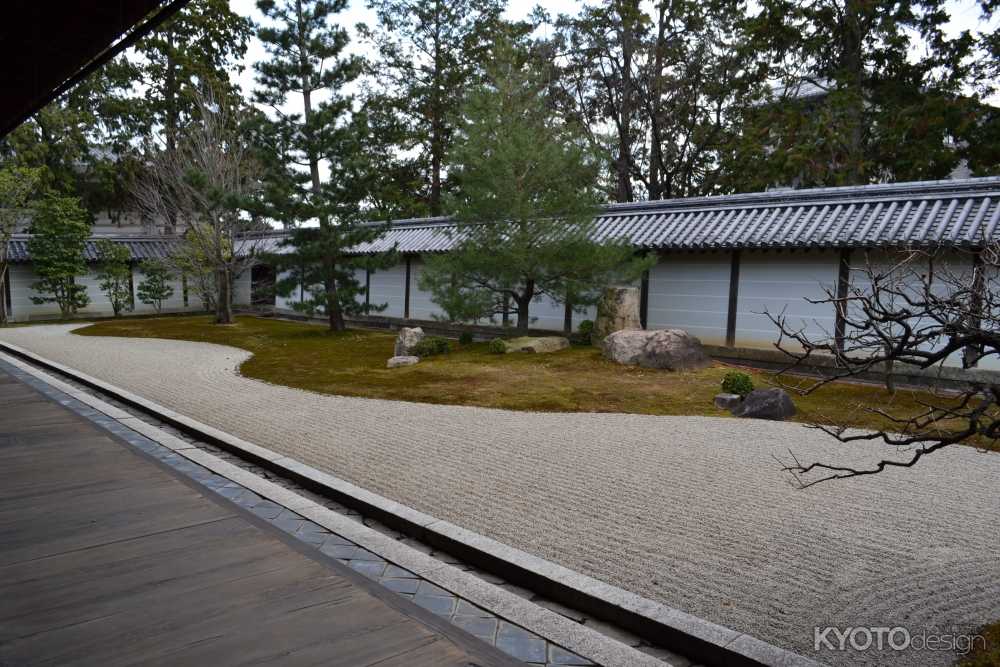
(498, 346)
(431, 346)
(736, 382)
(465, 338)
(586, 328)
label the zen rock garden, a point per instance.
(619, 334)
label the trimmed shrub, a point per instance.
(586, 328)
(431, 346)
(736, 382)
(498, 346)
(465, 338)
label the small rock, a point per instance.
(773, 404)
(401, 360)
(727, 401)
(408, 337)
(539, 345)
(672, 349)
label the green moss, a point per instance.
(984, 656)
(577, 379)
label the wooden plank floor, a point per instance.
(109, 558)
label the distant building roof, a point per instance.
(956, 213)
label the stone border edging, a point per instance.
(684, 633)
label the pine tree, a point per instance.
(527, 205)
(307, 61)
(59, 229)
(17, 189)
(896, 96)
(430, 52)
(115, 274)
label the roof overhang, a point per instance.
(48, 46)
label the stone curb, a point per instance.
(696, 638)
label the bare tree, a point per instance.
(919, 310)
(208, 182)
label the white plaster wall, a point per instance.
(545, 314)
(772, 282)
(691, 292)
(422, 306)
(21, 278)
(242, 289)
(904, 274)
(388, 286)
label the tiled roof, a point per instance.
(930, 213)
(140, 247)
(963, 213)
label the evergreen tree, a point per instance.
(17, 189)
(115, 274)
(155, 288)
(59, 231)
(430, 52)
(527, 205)
(307, 61)
(891, 95)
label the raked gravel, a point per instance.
(690, 511)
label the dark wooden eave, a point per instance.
(47, 46)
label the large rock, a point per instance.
(538, 345)
(766, 404)
(408, 337)
(396, 362)
(673, 349)
(617, 310)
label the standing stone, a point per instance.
(672, 349)
(617, 310)
(773, 404)
(408, 337)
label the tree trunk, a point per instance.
(172, 116)
(3, 293)
(334, 313)
(437, 120)
(523, 301)
(224, 298)
(623, 164)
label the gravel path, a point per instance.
(689, 511)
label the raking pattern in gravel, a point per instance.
(689, 511)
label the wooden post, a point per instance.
(843, 285)
(568, 317)
(734, 294)
(368, 289)
(406, 292)
(644, 300)
(971, 354)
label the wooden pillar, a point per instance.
(5, 300)
(406, 292)
(368, 289)
(644, 300)
(734, 295)
(843, 285)
(971, 354)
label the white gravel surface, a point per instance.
(690, 511)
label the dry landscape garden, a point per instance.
(578, 379)
(613, 332)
